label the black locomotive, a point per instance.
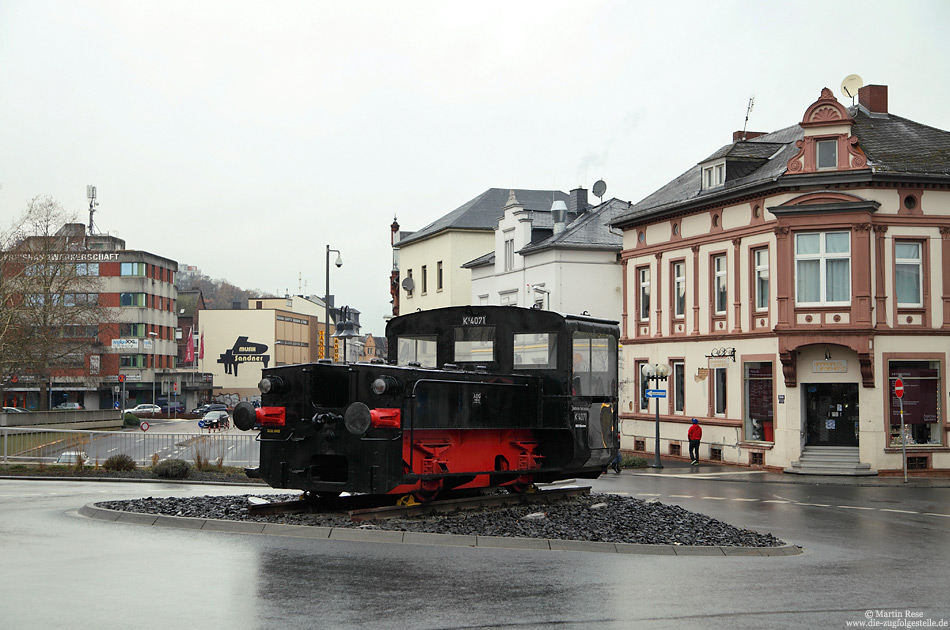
(471, 397)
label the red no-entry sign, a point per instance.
(899, 388)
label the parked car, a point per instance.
(13, 410)
(72, 458)
(175, 407)
(216, 420)
(69, 405)
(144, 410)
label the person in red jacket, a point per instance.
(695, 434)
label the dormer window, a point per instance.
(714, 175)
(827, 153)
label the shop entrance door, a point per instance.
(831, 414)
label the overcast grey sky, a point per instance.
(243, 137)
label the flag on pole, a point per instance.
(201, 347)
(190, 346)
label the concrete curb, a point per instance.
(362, 534)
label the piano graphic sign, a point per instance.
(243, 351)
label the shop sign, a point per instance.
(829, 366)
(114, 378)
(125, 344)
(718, 363)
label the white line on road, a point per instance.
(855, 507)
(647, 494)
(715, 498)
(681, 496)
(743, 499)
(899, 511)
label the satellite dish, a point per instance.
(850, 86)
(408, 284)
(599, 189)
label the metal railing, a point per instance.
(47, 446)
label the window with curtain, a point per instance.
(644, 306)
(823, 268)
(907, 273)
(679, 289)
(761, 261)
(720, 286)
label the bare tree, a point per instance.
(50, 297)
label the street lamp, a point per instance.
(326, 300)
(153, 335)
(656, 373)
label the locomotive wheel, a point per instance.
(424, 496)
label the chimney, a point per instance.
(738, 135)
(559, 212)
(578, 201)
(873, 98)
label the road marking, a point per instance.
(647, 494)
(732, 473)
(715, 498)
(899, 511)
(854, 507)
(935, 514)
(775, 501)
(681, 496)
(816, 504)
(743, 499)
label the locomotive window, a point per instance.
(535, 351)
(475, 345)
(419, 350)
(595, 364)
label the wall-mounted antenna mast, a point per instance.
(747, 112)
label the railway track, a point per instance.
(361, 508)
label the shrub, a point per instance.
(172, 469)
(129, 420)
(632, 461)
(119, 462)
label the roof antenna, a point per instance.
(91, 196)
(747, 112)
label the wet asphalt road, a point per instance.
(869, 548)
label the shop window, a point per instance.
(757, 388)
(908, 274)
(719, 391)
(922, 398)
(823, 268)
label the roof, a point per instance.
(483, 211)
(892, 145)
(590, 230)
(187, 302)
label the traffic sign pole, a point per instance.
(899, 392)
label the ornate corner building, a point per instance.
(789, 280)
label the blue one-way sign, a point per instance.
(656, 393)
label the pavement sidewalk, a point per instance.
(741, 474)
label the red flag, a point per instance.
(190, 346)
(201, 347)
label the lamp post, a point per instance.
(326, 300)
(656, 373)
(152, 336)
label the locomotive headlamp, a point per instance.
(357, 418)
(385, 385)
(270, 384)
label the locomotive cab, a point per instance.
(470, 397)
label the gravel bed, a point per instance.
(593, 517)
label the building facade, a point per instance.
(789, 280)
(563, 258)
(134, 347)
(430, 260)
